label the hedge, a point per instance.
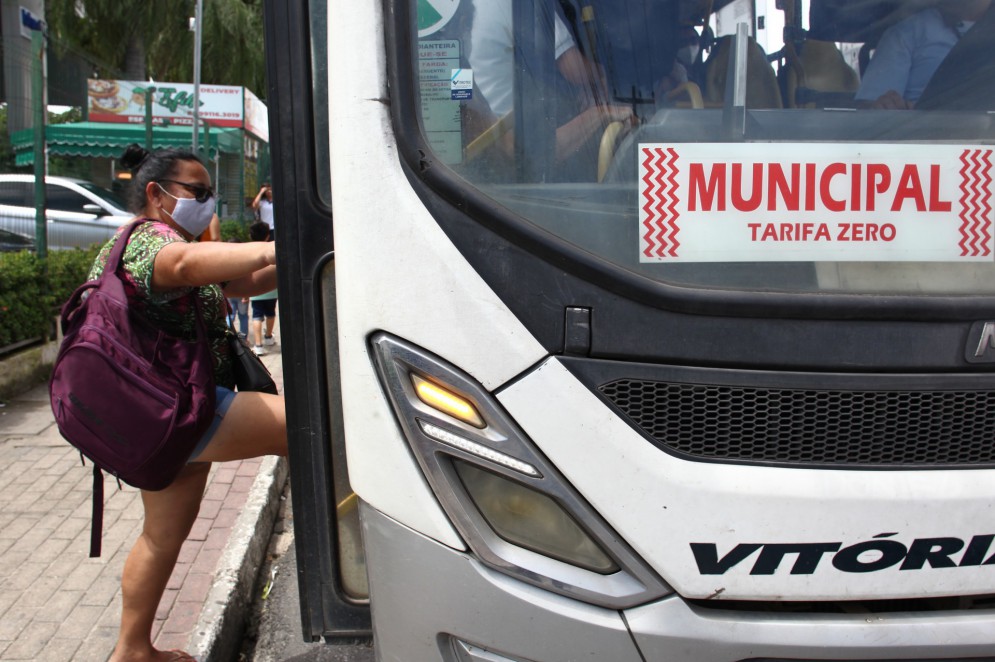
(30, 297)
(30, 294)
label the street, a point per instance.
(274, 628)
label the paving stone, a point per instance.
(79, 622)
(242, 484)
(209, 508)
(102, 591)
(227, 517)
(195, 589)
(11, 625)
(166, 603)
(59, 650)
(30, 641)
(181, 619)
(83, 576)
(23, 576)
(58, 607)
(37, 594)
(98, 646)
(172, 641)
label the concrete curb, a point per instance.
(217, 636)
(26, 369)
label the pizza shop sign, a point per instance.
(124, 101)
(708, 202)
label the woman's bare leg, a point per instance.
(169, 516)
(255, 425)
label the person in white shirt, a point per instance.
(492, 57)
(263, 203)
(911, 51)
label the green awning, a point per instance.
(102, 139)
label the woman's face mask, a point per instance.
(189, 214)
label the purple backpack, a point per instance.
(130, 397)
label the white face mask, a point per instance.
(192, 216)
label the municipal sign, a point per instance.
(720, 202)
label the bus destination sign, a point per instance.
(708, 202)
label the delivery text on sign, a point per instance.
(717, 202)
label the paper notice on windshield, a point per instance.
(710, 202)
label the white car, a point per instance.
(79, 213)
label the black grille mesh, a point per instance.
(813, 427)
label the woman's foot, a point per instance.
(180, 656)
(154, 656)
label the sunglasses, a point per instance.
(200, 193)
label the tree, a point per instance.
(144, 40)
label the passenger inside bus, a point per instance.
(492, 57)
(910, 52)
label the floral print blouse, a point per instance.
(172, 311)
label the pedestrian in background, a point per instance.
(263, 206)
(238, 307)
(263, 305)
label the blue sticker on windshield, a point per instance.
(461, 85)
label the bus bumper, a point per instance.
(431, 603)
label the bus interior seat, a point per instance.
(762, 91)
(817, 76)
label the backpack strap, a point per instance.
(97, 519)
(111, 277)
(113, 263)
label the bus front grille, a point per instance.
(812, 427)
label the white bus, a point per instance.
(609, 335)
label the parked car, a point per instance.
(11, 242)
(79, 213)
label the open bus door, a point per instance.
(331, 570)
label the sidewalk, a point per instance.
(58, 604)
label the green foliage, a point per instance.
(68, 117)
(234, 229)
(67, 270)
(30, 296)
(6, 149)
(143, 40)
(23, 313)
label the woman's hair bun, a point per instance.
(134, 156)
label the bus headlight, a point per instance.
(516, 512)
(531, 519)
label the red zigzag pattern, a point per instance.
(660, 206)
(975, 203)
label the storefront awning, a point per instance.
(99, 139)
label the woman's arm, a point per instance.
(182, 264)
(258, 282)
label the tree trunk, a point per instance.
(134, 58)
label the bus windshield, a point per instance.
(839, 146)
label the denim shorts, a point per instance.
(224, 398)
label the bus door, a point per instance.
(331, 565)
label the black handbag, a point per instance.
(251, 373)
